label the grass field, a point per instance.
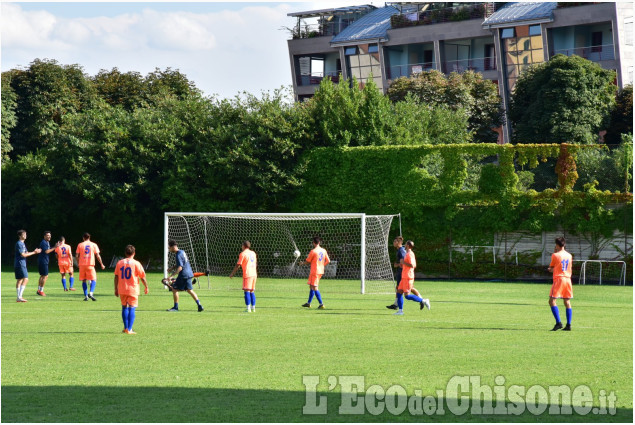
(65, 360)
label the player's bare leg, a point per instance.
(20, 286)
(41, 282)
(195, 297)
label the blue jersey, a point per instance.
(43, 257)
(182, 261)
(401, 254)
(20, 248)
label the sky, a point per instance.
(223, 47)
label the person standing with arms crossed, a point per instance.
(247, 260)
(19, 265)
(86, 253)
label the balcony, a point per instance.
(475, 64)
(408, 70)
(448, 14)
(317, 30)
(605, 52)
(316, 78)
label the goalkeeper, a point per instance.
(183, 281)
(401, 254)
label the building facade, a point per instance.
(498, 40)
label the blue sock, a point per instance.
(72, 280)
(131, 317)
(64, 283)
(85, 288)
(247, 298)
(556, 313)
(198, 302)
(253, 298)
(92, 286)
(569, 316)
(311, 295)
(124, 315)
(318, 296)
(400, 301)
(176, 306)
(413, 297)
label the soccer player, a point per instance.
(401, 253)
(183, 281)
(128, 272)
(43, 262)
(65, 262)
(86, 252)
(247, 260)
(409, 263)
(318, 258)
(561, 263)
(19, 265)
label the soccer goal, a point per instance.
(357, 244)
(602, 271)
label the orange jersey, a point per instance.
(64, 255)
(409, 272)
(86, 251)
(247, 260)
(318, 258)
(128, 272)
(561, 262)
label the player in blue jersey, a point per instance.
(43, 262)
(183, 281)
(401, 254)
(21, 273)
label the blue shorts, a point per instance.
(43, 268)
(21, 272)
(182, 283)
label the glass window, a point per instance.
(536, 42)
(507, 33)
(373, 48)
(350, 51)
(537, 56)
(534, 30)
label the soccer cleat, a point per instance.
(65, 290)
(253, 309)
(40, 293)
(125, 331)
(72, 289)
(398, 313)
(425, 303)
(207, 272)
(567, 327)
(131, 333)
(86, 298)
(172, 309)
(194, 282)
(91, 297)
(21, 300)
(321, 307)
(200, 308)
(392, 307)
(247, 310)
(307, 305)
(557, 327)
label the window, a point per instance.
(521, 50)
(507, 33)
(534, 30)
(363, 63)
(350, 51)
(373, 48)
(596, 41)
(628, 31)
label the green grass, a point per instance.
(65, 360)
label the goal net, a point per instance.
(598, 272)
(357, 244)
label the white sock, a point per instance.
(395, 303)
(17, 290)
(90, 293)
(39, 288)
(21, 291)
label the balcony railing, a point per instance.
(476, 64)
(605, 52)
(408, 70)
(448, 14)
(317, 77)
(317, 30)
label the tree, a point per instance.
(468, 91)
(564, 100)
(126, 89)
(621, 121)
(9, 119)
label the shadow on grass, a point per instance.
(178, 404)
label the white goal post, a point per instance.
(594, 271)
(357, 244)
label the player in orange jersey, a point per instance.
(65, 262)
(86, 252)
(561, 263)
(317, 259)
(247, 260)
(128, 272)
(409, 263)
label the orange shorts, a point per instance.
(314, 279)
(87, 273)
(129, 300)
(561, 288)
(249, 283)
(66, 268)
(406, 284)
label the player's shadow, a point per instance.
(170, 404)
